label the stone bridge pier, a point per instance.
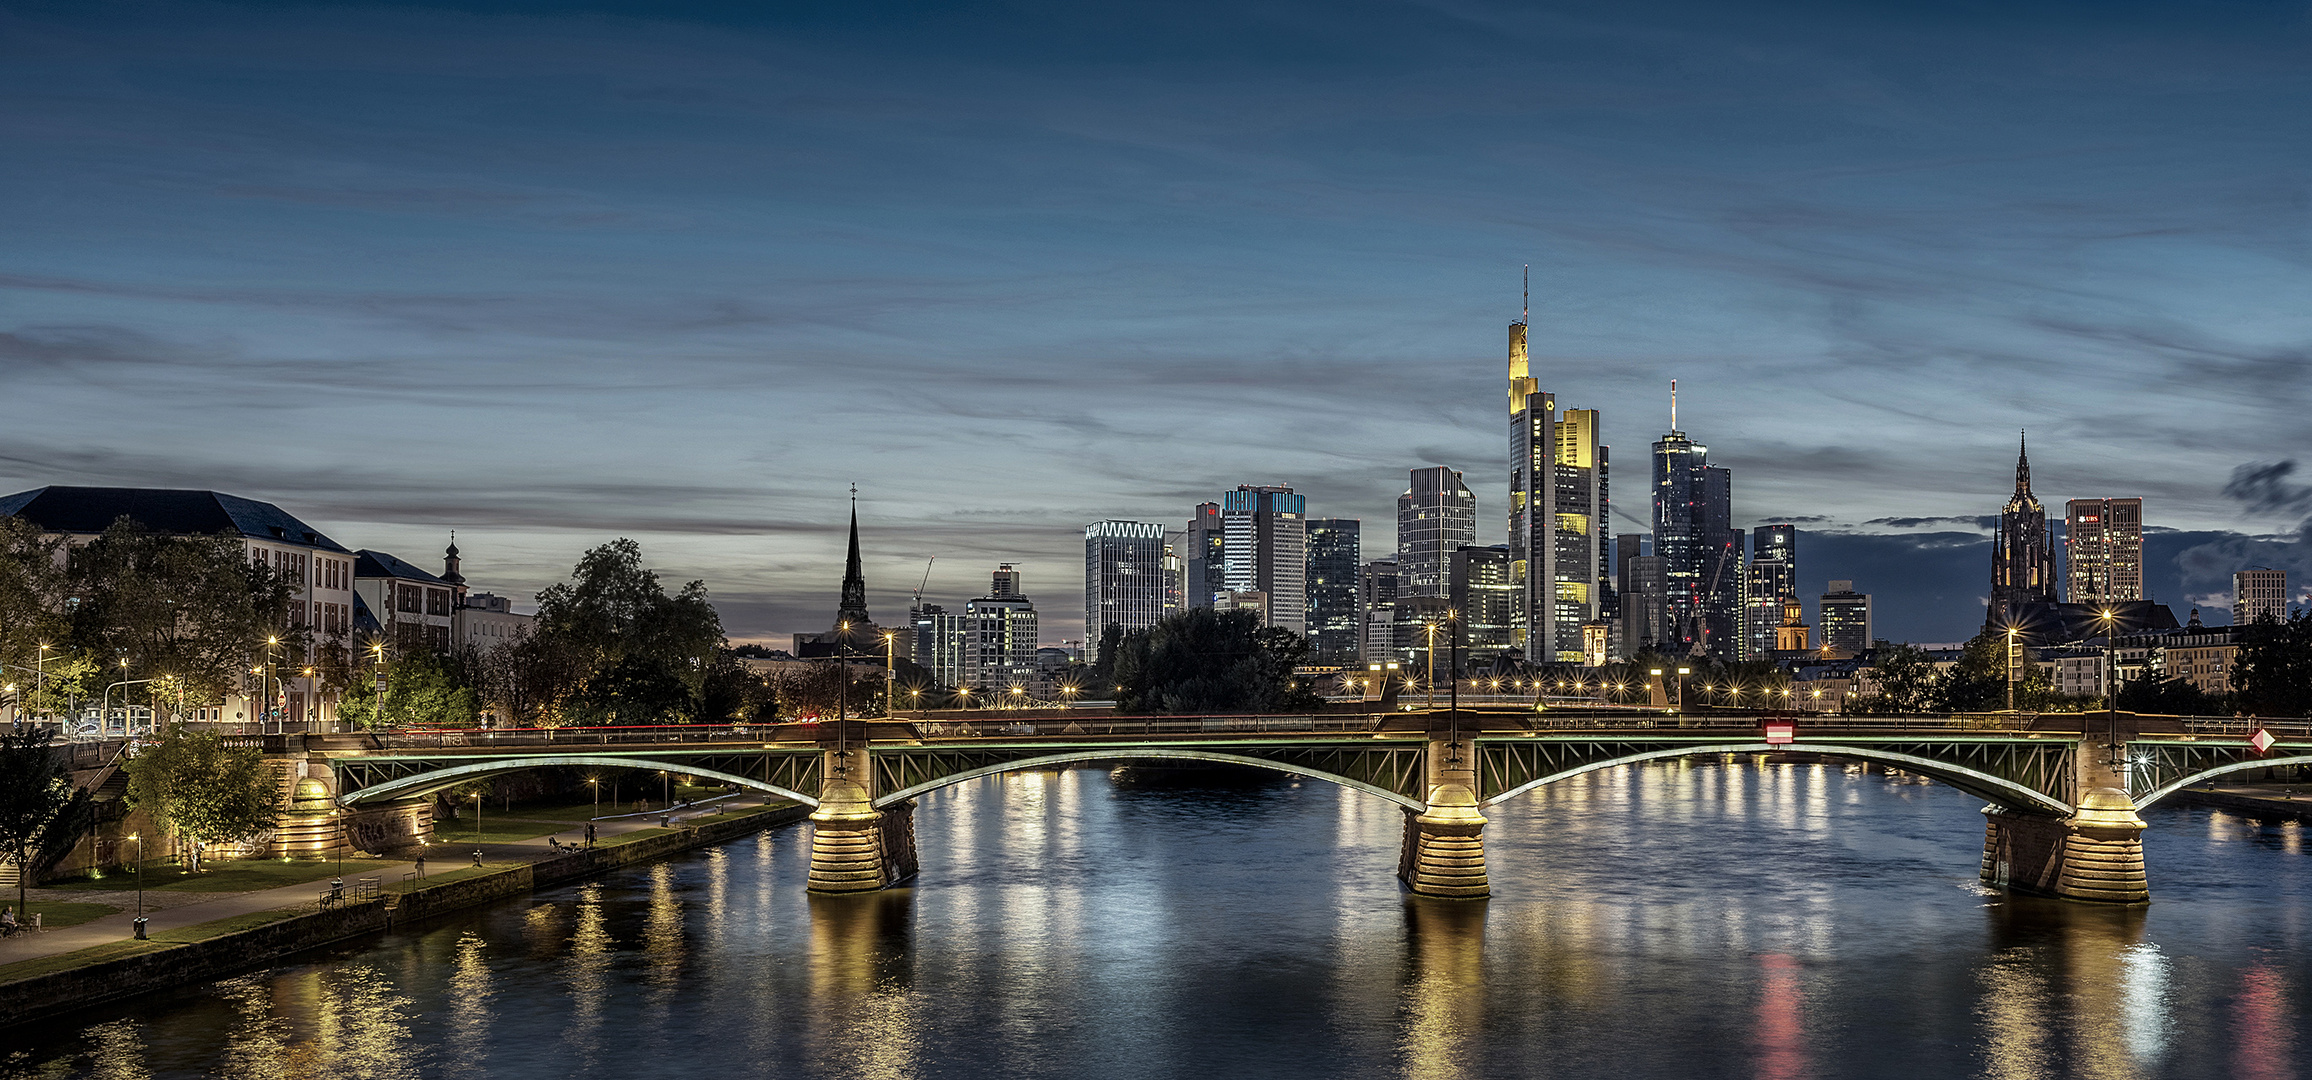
(2095, 854)
(1444, 848)
(856, 847)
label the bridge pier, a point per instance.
(856, 848)
(1444, 848)
(2095, 855)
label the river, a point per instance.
(1689, 920)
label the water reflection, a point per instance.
(119, 1052)
(2266, 1027)
(469, 1007)
(1781, 1037)
(1444, 991)
(257, 1047)
(586, 969)
(2073, 987)
(868, 1022)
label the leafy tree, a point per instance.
(2273, 666)
(733, 693)
(818, 690)
(1202, 660)
(1978, 682)
(31, 595)
(205, 791)
(192, 607)
(422, 689)
(1907, 682)
(629, 652)
(524, 678)
(40, 811)
(1102, 677)
(65, 680)
(2171, 697)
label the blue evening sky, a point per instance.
(553, 273)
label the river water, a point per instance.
(1670, 920)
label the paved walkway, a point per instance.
(172, 909)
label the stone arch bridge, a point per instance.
(2062, 792)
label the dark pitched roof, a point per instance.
(378, 564)
(88, 510)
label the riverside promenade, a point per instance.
(447, 858)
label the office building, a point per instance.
(1435, 515)
(1645, 615)
(998, 632)
(1700, 551)
(1266, 550)
(2103, 545)
(1377, 601)
(1484, 592)
(1771, 575)
(2023, 554)
(1558, 501)
(1124, 578)
(1335, 608)
(1846, 629)
(2259, 593)
(1203, 549)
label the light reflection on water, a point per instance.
(1688, 919)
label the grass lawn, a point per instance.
(247, 875)
(58, 914)
(499, 831)
(443, 877)
(628, 838)
(164, 939)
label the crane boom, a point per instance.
(926, 580)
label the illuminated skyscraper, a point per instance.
(1204, 548)
(1266, 550)
(1558, 500)
(1700, 551)
(2023, 555)
(1435, 516)
(2103, 542)
(2257, 593)
(1335, 615)
(1771, 575)
(1124, 580)
(1846, 629)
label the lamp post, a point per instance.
(271, 643)
(890, 704)
(477, 821)
(40, 669)
(1429, 698)
(666, 790)
(377, 650)
(596, 784)
(140, 916)
(1682, 673)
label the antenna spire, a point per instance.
(1673, 404)
(1525, 313)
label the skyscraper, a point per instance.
(1846, 627)
(999, 636)
(1377, 599)
(1771, 575)
(2103, 542)
(1204, 547)
(1335, 613)
(1695, 539)
(2257, 593)
(1266, 550)
(1639, 585)
(2022, 556)
(1435, 515)
(1124, 580)
(1485, 593)
(1558, 501)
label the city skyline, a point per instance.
(400, 298)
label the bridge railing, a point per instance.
(564, 737)
(2240, 727)
(997, 727)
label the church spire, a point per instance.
(854, 605)
(2022, 464)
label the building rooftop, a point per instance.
(91, 510)
(378, 564)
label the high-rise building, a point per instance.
(1435, 515)
(1771, 576)
(1267, 550)
(1700, 551)
(1558, 502)
(1377, 600)
(1846, 628)
(2022, 556)
(999, 636)
(1175, 573)
(1485, 593)
(1639, 584)
(2257, 593)
(2103, 542)
(1335, 610)
(1204, 547)
(1124, 579)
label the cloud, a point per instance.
(2263, 487)
(1980, 521)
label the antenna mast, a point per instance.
(1525, 313)
(1673, 404)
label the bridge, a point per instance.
(2062, 791)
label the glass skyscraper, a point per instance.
(1335, 613)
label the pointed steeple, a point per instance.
(2022, 464)
(450, 562)
(853, 609)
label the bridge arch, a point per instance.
(1143, 754)
(1974, 782)
(2205, 775)
(430, 782)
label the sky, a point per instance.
(550, 274)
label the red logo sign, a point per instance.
(1780, 732)
(2262, 740)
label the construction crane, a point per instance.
(926, 580)
(1702, 624)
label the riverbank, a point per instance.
(2272, 802)
(37, 987)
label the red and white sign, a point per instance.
(2262, 740)
(1781, 732)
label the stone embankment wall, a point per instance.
(113, 980)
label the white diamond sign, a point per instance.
(2262, 740)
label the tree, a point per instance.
(40, 811)
(1978, 682)
(205, 791)
(1202, 660)
(193, 607)
(1907, 682)
(634, 653)
(2273, 666)
(422, 688)
(2170, 697)
(31, 595)
(1101, 681)
(734, 694)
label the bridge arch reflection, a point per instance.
(427, 783)
(1047, 761)
(1982, 785)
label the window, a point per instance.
(437, 601)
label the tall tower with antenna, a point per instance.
(1558, 503)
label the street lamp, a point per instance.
(666, 792)
(596, 784)
(272, 642)
(140, 916)
(2010, 668)
(1430, 628)
(40, 669)
(888, 672)
(1682, 673)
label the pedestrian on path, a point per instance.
(421, 867)
(477, 858)
(589, 834)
